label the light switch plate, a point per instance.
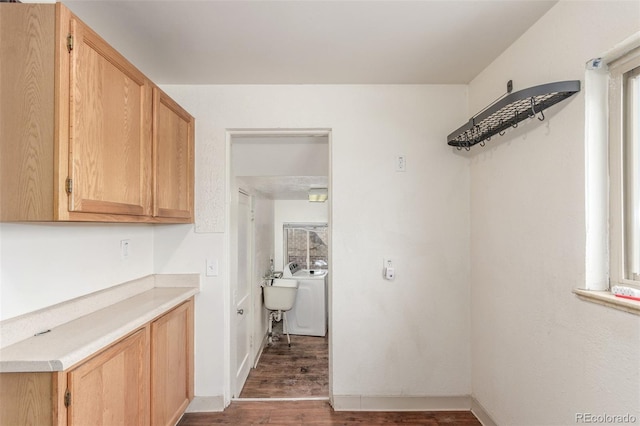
(212, 267)
(125, 248)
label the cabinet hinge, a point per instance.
(68, 185)
(69, 42)
(67, 398)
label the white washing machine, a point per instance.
(308, 317)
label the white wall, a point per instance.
(539, 354)
(43, 264)
(407, 337)
(295, 211)
(178, 249)
(280, 156)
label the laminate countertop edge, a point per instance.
(65, 345)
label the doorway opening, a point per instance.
(272, 176)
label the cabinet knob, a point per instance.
(240, 311)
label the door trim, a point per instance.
(231, 251)
(245, 300)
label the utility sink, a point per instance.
(280, 295)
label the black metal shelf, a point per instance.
(509, 111)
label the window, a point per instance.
(306, 244)
(624, 158)
(612, 178)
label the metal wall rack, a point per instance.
(510, 110)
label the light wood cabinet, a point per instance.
(109, 142)
(27, 112)
(173, 141)
(31, 399)
(146, 378)
(112, 388)
(172, 365)
(77, 128)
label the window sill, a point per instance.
(606, 298)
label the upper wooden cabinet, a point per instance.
(109, 140)
(82, 137)
(173, 140)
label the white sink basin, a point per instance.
(281, 295)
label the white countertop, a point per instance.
(71, 342)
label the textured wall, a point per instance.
(407, 337)
(46, 263)
(539, 354)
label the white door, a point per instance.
(242, 293)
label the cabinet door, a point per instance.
(171, 365)
(109, 129)
(112, 388)
(173, 135)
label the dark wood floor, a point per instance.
(321, 413)
(301, 370)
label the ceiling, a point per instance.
(281, 167)
(283, 187)
(308, 41)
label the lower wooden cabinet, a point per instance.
(112, 388)
(145, 378)
(172, 365)
(31, 399)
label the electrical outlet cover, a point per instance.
(212, 268)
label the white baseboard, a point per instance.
(201, 404)
(400, 403)
(478, 410)
(263, 344)
(205, 404)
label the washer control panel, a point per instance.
(294, 267)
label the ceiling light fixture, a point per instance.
(318, 195)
